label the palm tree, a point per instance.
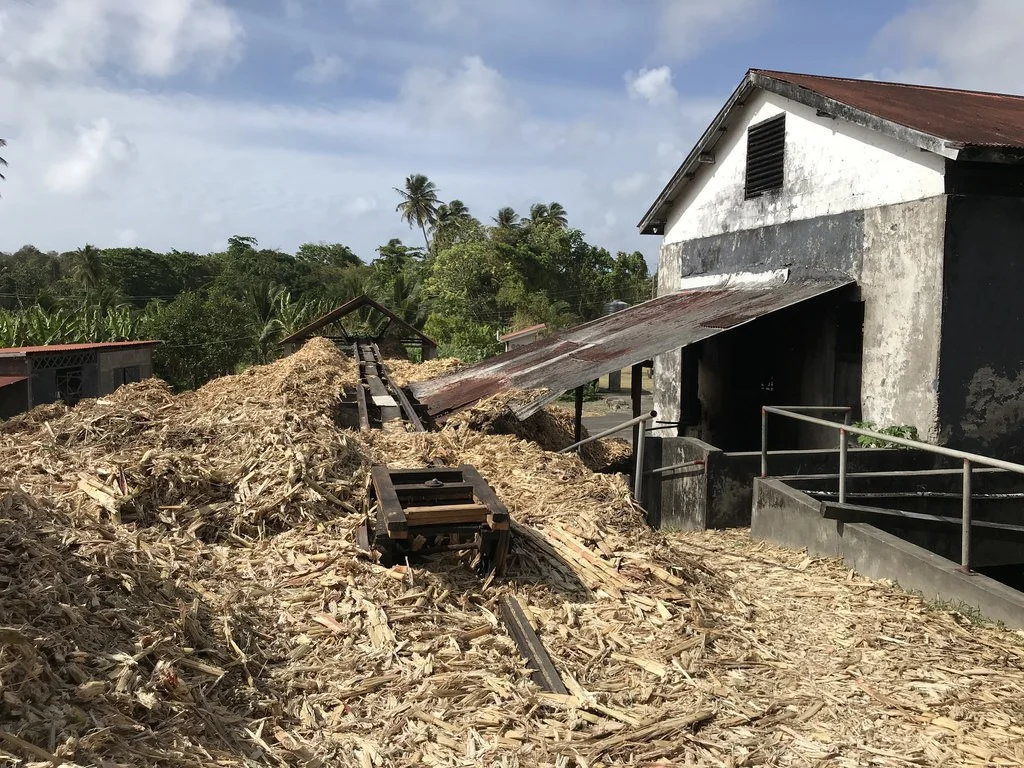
(3, 163)
(538, 213)
(89, 268)
(419, 203)
(506, 218)
(557, 215)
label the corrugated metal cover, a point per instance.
(974, 118)
(53, 348)
(6, 381)
(581, 354)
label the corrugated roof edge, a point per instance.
(773, 81)
(623, 338)
(52, 348)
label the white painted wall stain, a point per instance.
(831, 167)
(901, 284)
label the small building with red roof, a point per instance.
(31, 376)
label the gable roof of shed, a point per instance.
(347, 308)
(960, 125)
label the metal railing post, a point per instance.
(842, 465)
(764, 442)
(638, 449)
(965, 524)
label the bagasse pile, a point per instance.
(551, 428)
(204, 605)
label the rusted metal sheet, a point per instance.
(973, 118)
(6, 381)
(584, 353)
(51, 348)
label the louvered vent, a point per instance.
(766, 154)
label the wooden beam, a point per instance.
(636, 393)
(578, 416)
(544, 673)
(485, 494)
(388, 503)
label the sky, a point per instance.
(178, 123)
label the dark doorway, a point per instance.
(69, 385)
(809, 354)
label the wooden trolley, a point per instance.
(414, 512)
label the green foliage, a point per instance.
(466, 284)
(590, 393)
(203, 337)
(905, 431)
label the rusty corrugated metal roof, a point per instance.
(54, 348)
(974, 118)
(522, 332)
(6, 381)
(959, 125)
(573, 357)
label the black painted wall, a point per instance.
(825, 245)
(981, 367)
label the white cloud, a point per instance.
(986, 52)
(322, 70)
(127, 237)
(360, 206)
(652, 85)
(472, 92)
(99, 150)
(687, 27)
(632, 184)
(154, 38)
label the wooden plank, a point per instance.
(444, 474)
(544, 673)
(446, 519)
(485, 493)
(420, 492)
(447, 513)
(387, 501)
(410, 413)
(364, 413)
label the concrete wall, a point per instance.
(896, 254)
(719, 494)
(111, 364)
(830, 167)
(901, 281)
(981, 376)
(788, 517)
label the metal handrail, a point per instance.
(969, 459)
(610, 431)
(638, 448)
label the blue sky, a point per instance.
(177, 123)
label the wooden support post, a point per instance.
(636, 392)
(578, 422)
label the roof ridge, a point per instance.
(918, 86)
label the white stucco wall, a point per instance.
(901, 284)
(831, 166)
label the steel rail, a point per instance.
(969, 460)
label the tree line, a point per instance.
(215, 313)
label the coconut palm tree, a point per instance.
(538, 213)
(89, 268)
(506, 218)
(557, 215)
(419, 203)
(3, 163)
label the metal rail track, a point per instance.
(378, 394)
